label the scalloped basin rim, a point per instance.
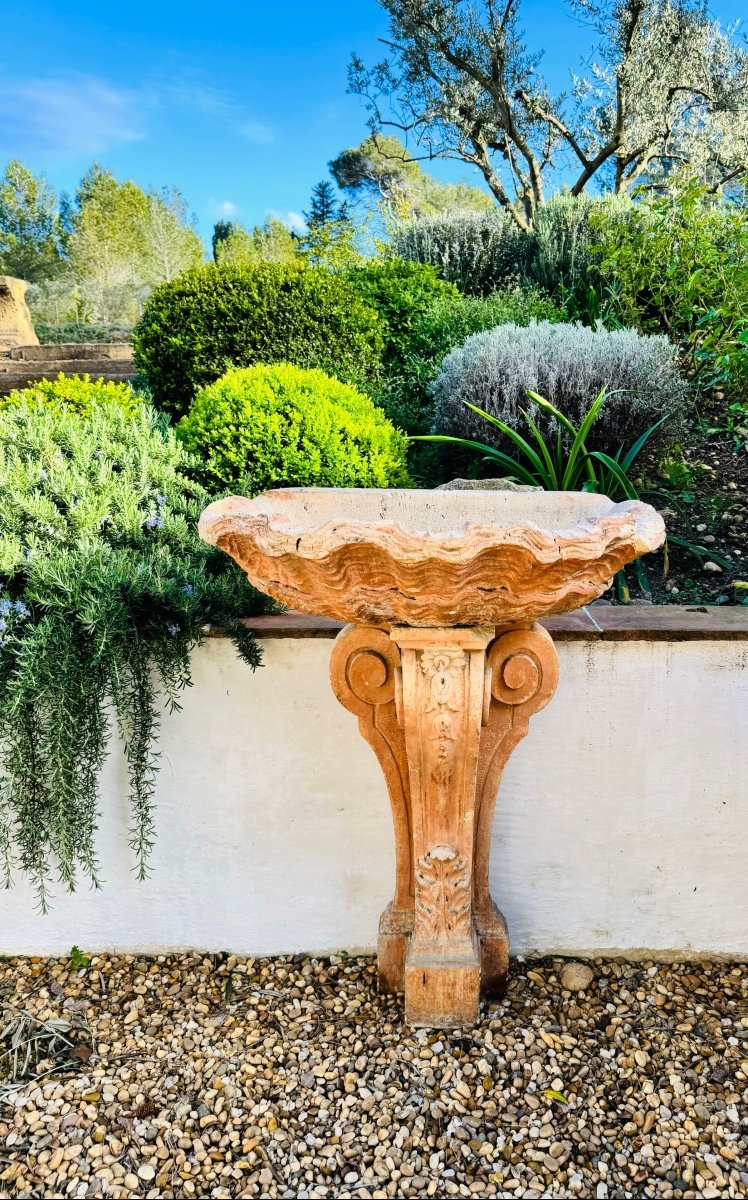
(460, 516)
(439, 558)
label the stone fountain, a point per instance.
(443, 663)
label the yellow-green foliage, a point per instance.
(77, 393)
(267, 426)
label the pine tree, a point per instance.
(324, 207)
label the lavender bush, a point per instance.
(568, 364)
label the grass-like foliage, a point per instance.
(565, 462)
(562, 463)
(104, 590)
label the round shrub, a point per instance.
(280, 425)
(477, 251)
(566, 250)
(218, 316)
(400, 292)
(77, 393)
(568, 364)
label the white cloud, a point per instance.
(69, 113)
(292, 219)
(82, 115)
(257, 132)
(223, 208)
(186, 90)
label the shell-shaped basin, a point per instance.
(431, 558)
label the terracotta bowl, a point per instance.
(431, 558)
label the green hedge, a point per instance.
(405, 392)
(217, 317)
(400, 293)
(268, 426)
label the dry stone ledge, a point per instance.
(22, 365)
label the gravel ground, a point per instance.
(220, 1076)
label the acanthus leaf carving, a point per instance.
(443, 895)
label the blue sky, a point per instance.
(239, 105)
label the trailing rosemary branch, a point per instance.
(105, 589)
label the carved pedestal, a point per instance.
(443, 709)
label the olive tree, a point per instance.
(667, 91)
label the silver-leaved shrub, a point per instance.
(568, 364)
(477, 251)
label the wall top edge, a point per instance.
(599, 622)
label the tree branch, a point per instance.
(551, 119)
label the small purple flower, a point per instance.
(173, 630)
(22, 609)
(5, 606)
(153, 522)
(188, 589)
(161, 501)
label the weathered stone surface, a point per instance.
(445, 696)
(486, 485)
(431, 558)
(16, 327)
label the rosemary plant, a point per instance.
(105, 589)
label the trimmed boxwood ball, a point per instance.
(218, 316)
(270, 426)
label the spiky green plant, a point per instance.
(564, 463)
(104, 591)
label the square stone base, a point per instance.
(441, 993)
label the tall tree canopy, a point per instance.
(668, 92)
(125, 241)
(31, 236)
(381, 168)
(271, 242)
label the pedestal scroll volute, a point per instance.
(443, 708)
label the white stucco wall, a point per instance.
(622, 823)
